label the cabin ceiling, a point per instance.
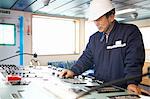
(77, 8)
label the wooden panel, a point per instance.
(74, 3)
(22, 4)
(74, 8)
(54, 5)
(143, 3)
(6, 4)
(133, 1)
(35, 6)
(77, 10)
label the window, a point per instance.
(7, 34)
(146, 35)
(146, 40)
(90, 28)
(51, 36)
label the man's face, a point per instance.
(103, 23)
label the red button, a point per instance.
(13, 78)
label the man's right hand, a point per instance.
(67, 74)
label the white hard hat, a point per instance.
(98, 8)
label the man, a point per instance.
(115, 51)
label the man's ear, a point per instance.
(111, 18)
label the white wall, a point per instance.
(45, 59)
(13, 18)
(28, 40)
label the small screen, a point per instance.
(7, 34)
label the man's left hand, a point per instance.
(134, 88)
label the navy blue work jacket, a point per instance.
(122, 56)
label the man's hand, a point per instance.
(67, 74)
(134, 88)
